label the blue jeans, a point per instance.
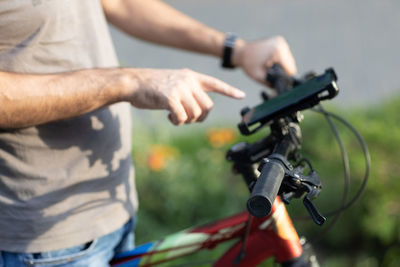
(96, 253)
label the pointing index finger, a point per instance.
(212, 84)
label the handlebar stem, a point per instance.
(290, 141)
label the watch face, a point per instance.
(230, 40)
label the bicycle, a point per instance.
(265, 230)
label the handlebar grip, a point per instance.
(279, 79)
(266, 189)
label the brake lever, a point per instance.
(317, 217)
(300, 184)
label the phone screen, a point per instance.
(300, 97)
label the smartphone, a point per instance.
(300, 97)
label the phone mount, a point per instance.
(304, 95)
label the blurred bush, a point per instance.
(184, 180)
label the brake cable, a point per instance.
(364, 147)
(344, 204)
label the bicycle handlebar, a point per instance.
(277, 175)
(266, 188)
(272, 171)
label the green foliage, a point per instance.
(194, 184)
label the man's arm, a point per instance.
(27, 100)
(155, 21)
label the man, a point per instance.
(67, 195)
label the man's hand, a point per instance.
(182, 92)
(256, 57)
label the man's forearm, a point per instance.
(27, 100)
(154, 21)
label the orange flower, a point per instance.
(221, 137)
(159, 155)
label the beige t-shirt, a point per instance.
(67, 182)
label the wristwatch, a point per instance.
(228, 50)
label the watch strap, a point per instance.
(227, 54)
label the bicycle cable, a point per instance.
(367, 157)
(344, 204)
(346, 166)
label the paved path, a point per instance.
(359, 38)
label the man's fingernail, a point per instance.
(239, 94)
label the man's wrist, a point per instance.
(237, 52)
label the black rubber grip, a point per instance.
(266, 189)
(279, 79)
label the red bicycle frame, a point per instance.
(259, 239)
